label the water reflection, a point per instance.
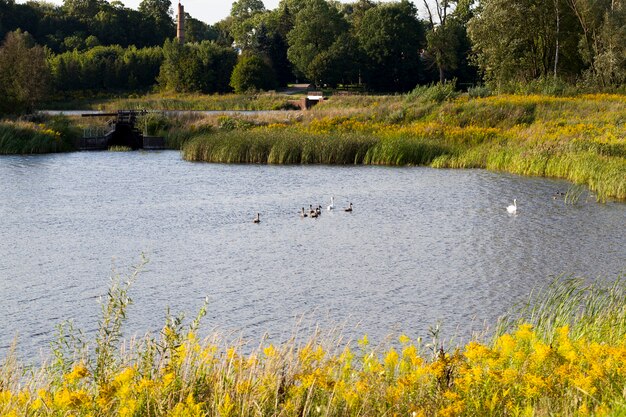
(422, 245)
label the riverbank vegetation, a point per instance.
(581, 139)
(562, 354)
(21, 137)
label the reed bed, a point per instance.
(603, 174)
(564, 353)
(18, 137)
(267, 146)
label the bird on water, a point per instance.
(256, 219)
(349, 208)
(302, 213)
(512, 209)
(332, 203)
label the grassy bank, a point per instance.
(19, 137)
(265, 101)
(581, 139)
(565, 354)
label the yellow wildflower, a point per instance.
(79, 371)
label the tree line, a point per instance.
(377, 46)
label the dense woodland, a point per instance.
(100, 46)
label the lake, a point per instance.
(422, 245)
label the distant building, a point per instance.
(180, 27)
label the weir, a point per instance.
(120, 131)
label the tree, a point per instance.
(198, 31)
(317, 26)
(442, 41)
(514, 40)
(266, 37)
(339, 64)
(391, 37)
(243, 13)
(252, 73)
(24, 73)
(609, 62)
(158, 19)
(203, 67)
(83, 9)
(603, 24)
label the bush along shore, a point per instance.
(581, 139)
(563, 354)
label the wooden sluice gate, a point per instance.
(120, 131)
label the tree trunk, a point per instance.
(556, 52)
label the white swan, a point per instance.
(332, 203)
(512, 209)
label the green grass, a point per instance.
(264, 101)
(595, 310)
(29, 138)
(278, 147)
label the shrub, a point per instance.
(252, 73)
(437, 93)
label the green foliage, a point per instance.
(24, 74)
(391, 36)
(548, 86)
(157, 15)
(205, 67)
(244, 22)
(383, 46)
(436, 93)
(26, 138)
(231, 123)
(252, 73)
(317, 26)
(339, 64)
(478, 91)
(113, 306)
(106, 68)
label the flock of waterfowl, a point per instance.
(313, 212)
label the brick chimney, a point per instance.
(180, 29)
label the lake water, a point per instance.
(421, 246)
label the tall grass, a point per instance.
(265, 101)
(278, 147)
(563, 354)
(594, 310)
(512, 141)
(28, 137)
